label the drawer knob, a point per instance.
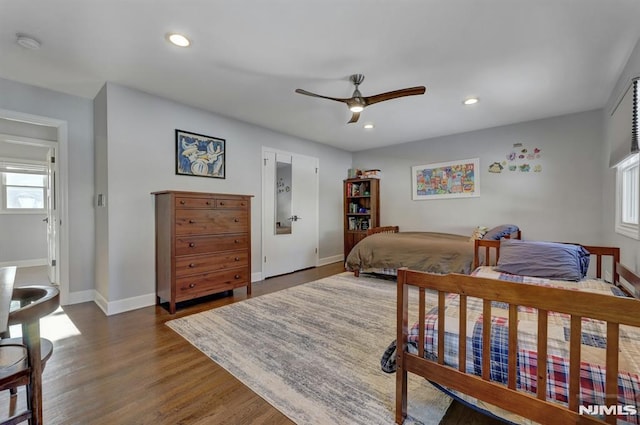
(182, 202)
(208, 202)
(192, 285)
(191, 244)
(237, 276)
(237, 258)
(192, 265)
(236, 220)
(236, 241)
(242, 204)
(192, 221)
(221, 203)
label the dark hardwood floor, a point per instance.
(132, 369)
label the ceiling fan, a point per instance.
(356, 103)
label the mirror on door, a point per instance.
(283, 195)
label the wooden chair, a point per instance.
(22, 359)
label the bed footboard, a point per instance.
(575, 305)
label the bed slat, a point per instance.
(574, 362)
(462, 332)
(611, 386)
(486, 340)
(441, 319)
(421, 316)
(542, 354)
(513, 346)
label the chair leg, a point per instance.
(13, 402)
(31, 335)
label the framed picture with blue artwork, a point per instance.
(200, 155)
(444, 180)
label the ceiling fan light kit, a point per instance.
(27, 42)
(178, 40)
(356, 103)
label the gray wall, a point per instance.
(140, 155)
(629, 248)
(562, 202)
(78, 113)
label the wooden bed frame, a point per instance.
(615, 311)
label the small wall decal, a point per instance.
(496, 167)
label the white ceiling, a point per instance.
(524, 59)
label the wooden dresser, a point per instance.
(203, 244)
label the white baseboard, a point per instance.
(81, 297)
(121, 306)
(330, 260)
(25, 263)
(134, 303)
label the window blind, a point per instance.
(623, 126)
(13, 166)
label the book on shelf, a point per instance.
(357, 189)
(359, 223)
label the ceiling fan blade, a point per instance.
(308, 93)
(411, 91)
(354, 117)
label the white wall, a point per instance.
(629, 248)
(561, 203)
(77, 112)
(140, 160)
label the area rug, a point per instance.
(313, 351)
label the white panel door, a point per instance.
(290, 212)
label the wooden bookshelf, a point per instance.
(361, 210)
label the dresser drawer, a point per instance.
(210, 283)
(198, 264)
(188, 245)
(231, 203)
(186, 202)
(198, 222)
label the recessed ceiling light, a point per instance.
(369, 126)
(27, 42)
(178, 39)
(471, 101)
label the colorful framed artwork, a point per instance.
(444, 180)
(200, 155)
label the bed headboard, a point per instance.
(384, 229)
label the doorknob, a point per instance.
(46, 219)
(295, 218)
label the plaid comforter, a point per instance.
(592, 353)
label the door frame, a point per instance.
(263, 206)
(62, 230)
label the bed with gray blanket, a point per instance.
(433, 252)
